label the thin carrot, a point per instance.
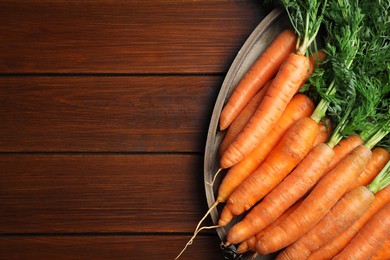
(324, 131)
(290, 150)
(240, 121)
(321, 199)
(299, 107)
(383, 252)
(292, 188)
(334, 246)
(261, 71)
(346, 211)
(250, 243)
(370, 238)
(380, 156)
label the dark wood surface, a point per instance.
(104, 109)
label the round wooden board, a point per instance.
(260, 38)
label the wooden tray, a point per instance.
(259, 39)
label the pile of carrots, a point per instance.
(302, 182)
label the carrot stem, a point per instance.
(381, 180)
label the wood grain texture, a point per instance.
(101, 193)
(123, 36)
(131, 114)
(109, 247)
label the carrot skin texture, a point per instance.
(261, 71)
(383, 252)
(370, 238)
(299, 107)
(240, 121)
(250, 243)
(290, 190)
(333, 247)
(380, 156)
(290, 150)
(346, 211)
(320, 200)
(282, 89)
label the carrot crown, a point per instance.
(381, 180)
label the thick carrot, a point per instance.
(240, 121)
(261, 71)
(290, 150)
(250, 243)
(380, 156)
(334, 246)
(383, 252)
(292, 188)
(299, 107)
(370, 238)
(320, 200)
(346, 211)
(282, 89)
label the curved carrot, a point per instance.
(282, 89)
(383, 252)
(347, 210)
(299, 107)
(290, 150)
(261, 71)
(370, 238)
(250, 243)
(292, 188)
(334, 246)
(324, 195)
(240, 121)
(380, 156)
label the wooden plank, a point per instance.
(170, 36)
(109, 247)
(130, 114)
(101, 193)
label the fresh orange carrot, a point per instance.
(347, 210)
(299, 107)
(383, 252)
(370, 238)
(320, 200)
(333, 247)
(380, 156)
(282, 89)
(345, 147)
(250, 243)
(292, 188)
(240, 121)
(290, 150)
(260, 72)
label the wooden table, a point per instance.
(104, 109)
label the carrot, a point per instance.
(250, 243)
(260, 72)
(299, 107)
(334, 246)
(380, 156)
(240, 121)
(292, 188)
(321, 199)
(346, 211)
(279, 94)
(383, 252)
(370, 238)
(290, 150)
(324, 131)
(345, 147)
